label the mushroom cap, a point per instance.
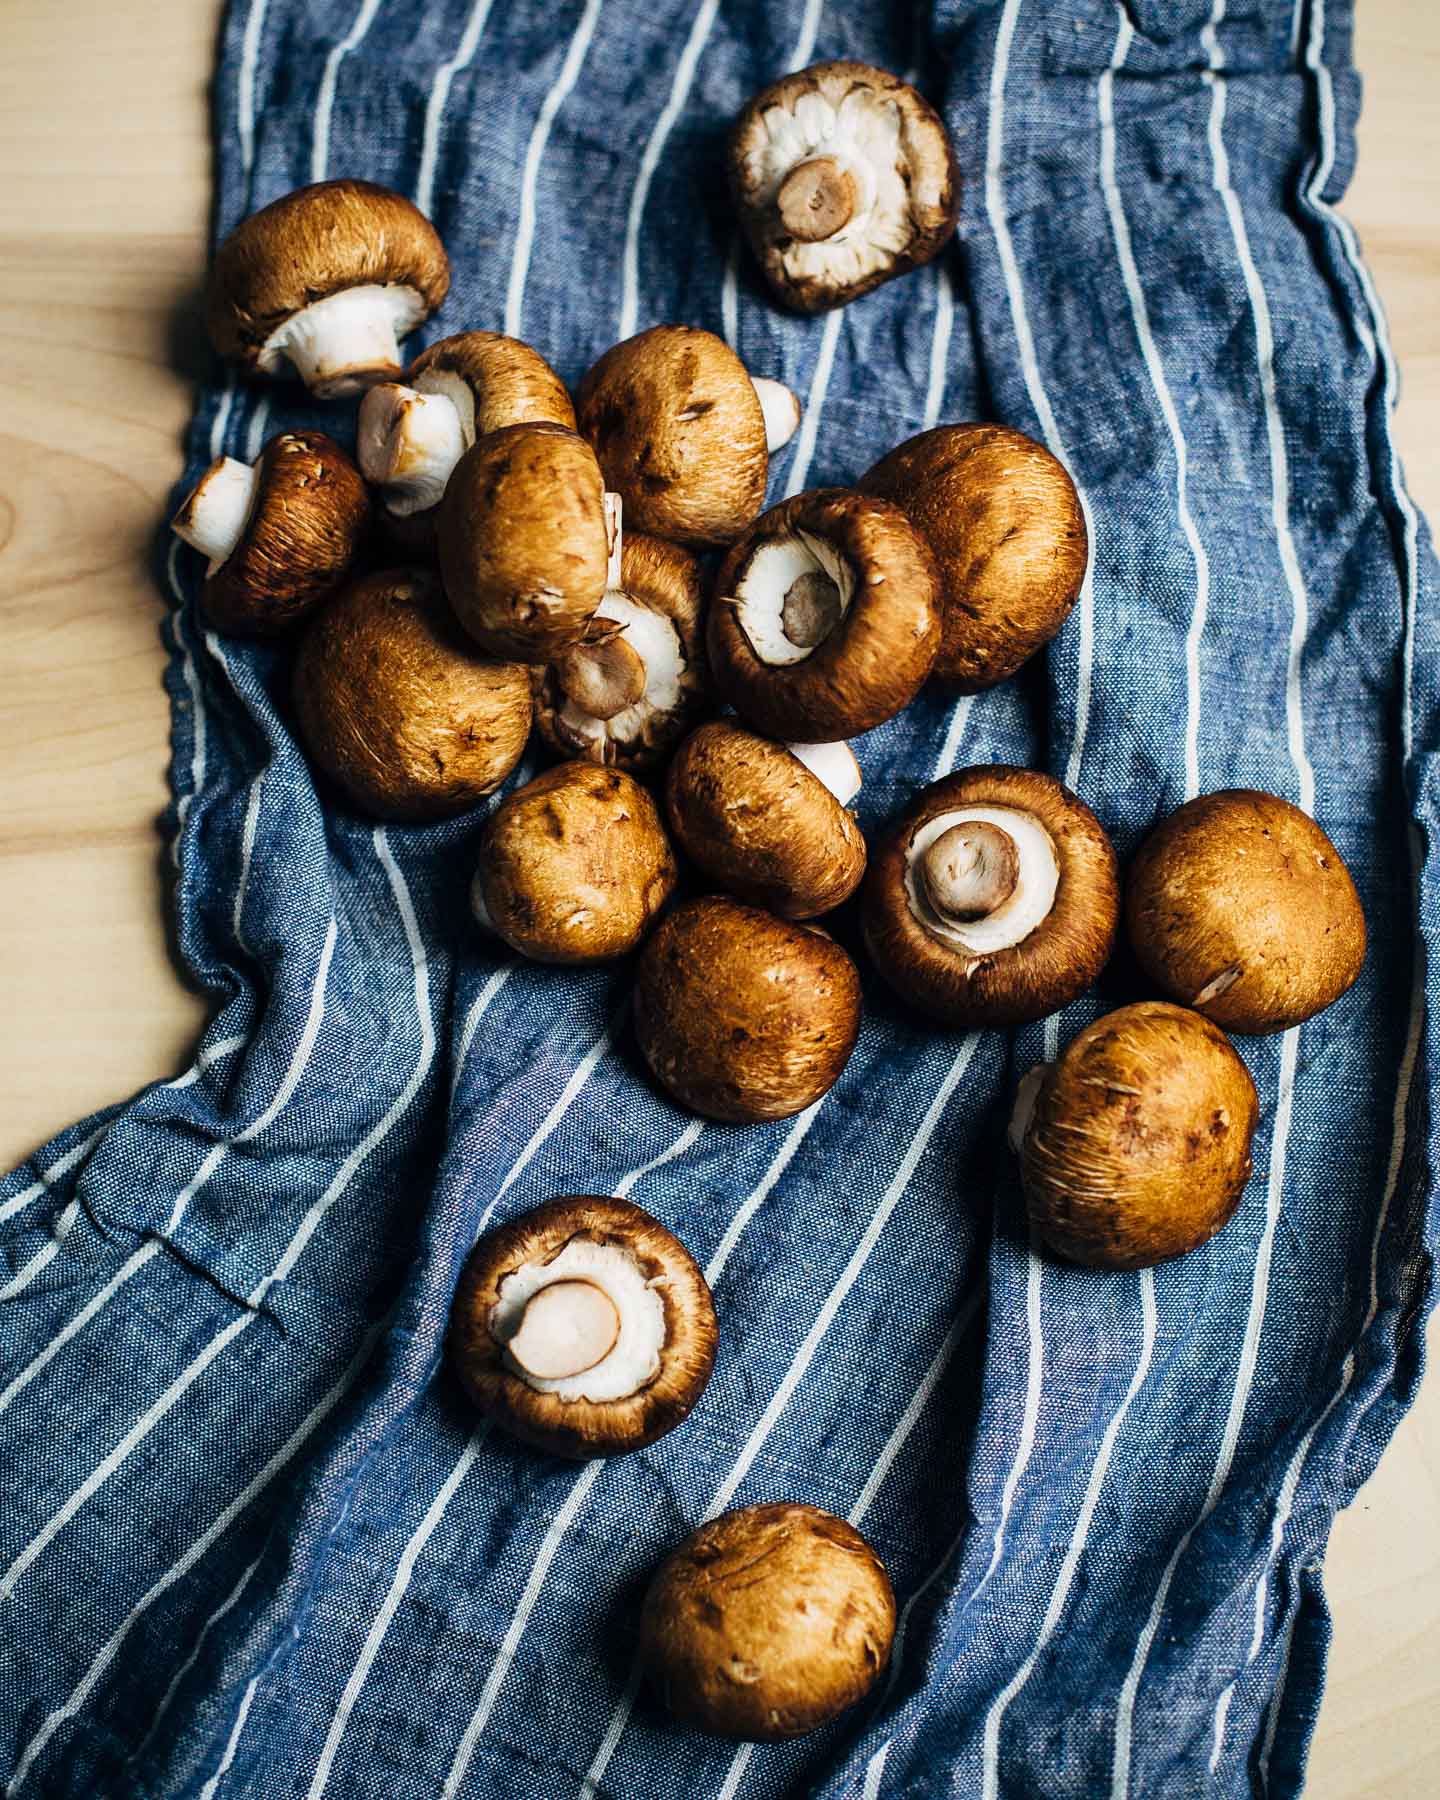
(873, 121)
(767, 1622)
(313, 242)
(678, 428)
(1046, 969)
(1240, 906)
(522, 539)
(664, 580)
(578, 1427)
(311, 513)
(398, 707)
(574, 866)
(1005, 523)
(754, 819)
(875, 659)
(1139, 1145)
(742, 1016)
(509, 383)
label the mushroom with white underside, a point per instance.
(325, 282)
(826, 617)
(585, 1328)
(844, 178)
(994, 900)
(279, 534)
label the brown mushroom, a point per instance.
(683, 432)
(280, 534)
(1240, 906)
(398, 707)
(758, 819)
(995, 898)
(1135, 1146)
(743, 1016)
(326, 279)
(628, 690)
(1008, 532)
(826, 618)
(583, 1327)
(844, 178)
(574, 866)
(767, 1622)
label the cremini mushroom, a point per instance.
(683, 432)
(767, 1622)
(280, 534)
(399, 708)
(583, 1327)
(525, 537)
(634, 682)
(1240, 906)
(844, 178)
(766, 822)
(826, 617)
(326, 280)
(995, 898)
(1135, 1146)
(743, 1016)
(574, 866)
(1005, 523)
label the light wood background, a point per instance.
(104, 189)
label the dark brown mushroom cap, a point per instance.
(398, 707)
(1044, 971)
(511, 384)
(676, 423)
(522, 540)
(574, 866)
(309, 520)
(754, 819)
(1005, 523)
(875, 660)
(767, 1622)
(666, 580)
(584, 1428)
(1240, 906)
(743, 1016)
(927, 187)
(313, 242)
(1139, 1145)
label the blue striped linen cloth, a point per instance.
(253, 1540)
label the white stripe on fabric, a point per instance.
(1029, 1419)
(682, 1143)
(1217, 1736)
(212, 1786)
(247, 852)
(757, 1198)
(897, 1649)
(700, 30)
(43, 1257)
(76, 1325)
(815, 404)
(939, 345)
(875, 1772)
(220, 424)
(259, 425)
(226, 1605)
(439, 98)
(809, 29)
(325, 99)
(477, 1012)
(613, 1733)
(18, 1202)
(730, 296)
(534, 155)
(1272, 1722)
(583, 1071)
(245, 100)
(206, 1059)
(950, 749)
(180, 1569)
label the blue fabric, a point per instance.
(252, 1543)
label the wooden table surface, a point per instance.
(104, 189)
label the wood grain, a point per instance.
(103, 201)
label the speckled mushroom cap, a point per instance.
(1009, 537)
(743, 1016)
(574, 866)
(677, 425)
(844, 178)
(1138, 1145)
(753, 818)
(1240, 906)
(767, 1622)
(976, 971)
(399, 708)
(650, 628)
(876, 622)
(649, 1271)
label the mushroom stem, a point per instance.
(614, 537)
(970, 870)
(567, 1327)
(817, 199)
(832, 764)
(217, 509)
(602, 678)
(811, 609)
(408, 444)
(781, 408)
(1027, 1096)
(346, 342)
